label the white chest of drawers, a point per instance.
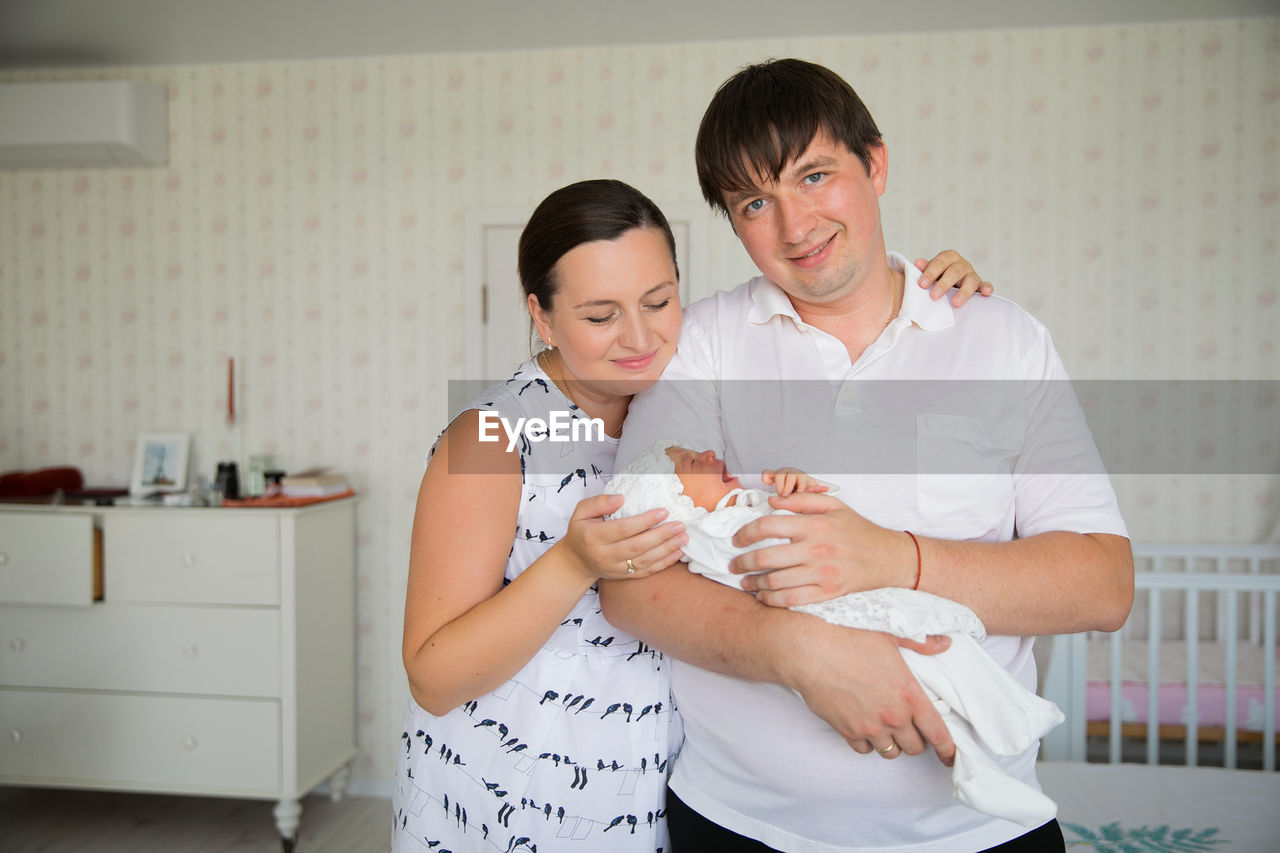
(221, 660)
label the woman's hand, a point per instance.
(949, 270)
(621, 548)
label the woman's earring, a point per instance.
(550, 345)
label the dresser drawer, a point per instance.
(46, 558)
(158, 649)
(201, 557)
(152, 741)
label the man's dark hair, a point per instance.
(766, 115)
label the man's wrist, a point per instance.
(919, 561)
(791, 655)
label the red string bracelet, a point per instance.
(919, 561)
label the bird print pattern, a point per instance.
(572, 753)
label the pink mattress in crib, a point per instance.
(1171, 694)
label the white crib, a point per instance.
(1160, 763)
(1208, 683)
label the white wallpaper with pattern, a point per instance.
(1120, 182)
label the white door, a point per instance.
(508, 334)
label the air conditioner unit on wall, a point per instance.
(83, 123)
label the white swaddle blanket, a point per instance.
(985, 708)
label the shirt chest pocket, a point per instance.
(964, 476)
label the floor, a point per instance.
(50, 820)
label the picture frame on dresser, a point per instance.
(160, 462)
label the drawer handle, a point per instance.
(15, 735)
(17, 644)
(189, 743)
(191, 651)
(189, 560)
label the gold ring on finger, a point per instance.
(888, 749)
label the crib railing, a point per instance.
(1170, 582)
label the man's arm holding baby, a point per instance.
(854, 680)
(1053, 582)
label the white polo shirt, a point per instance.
(959, 424)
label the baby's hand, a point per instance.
(788, 480)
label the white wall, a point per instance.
(1121, 182)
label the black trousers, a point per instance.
(693, 833)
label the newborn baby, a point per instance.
(985, 708)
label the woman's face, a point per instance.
(616, 318)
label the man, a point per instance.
(826, 362)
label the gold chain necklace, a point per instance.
(544, 358)
(893, 297)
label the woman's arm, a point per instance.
(465, 633)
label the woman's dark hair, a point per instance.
(765, 116)
(581, 213)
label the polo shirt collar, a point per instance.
(916, 306)
(769, 301)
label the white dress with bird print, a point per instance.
(572, 753)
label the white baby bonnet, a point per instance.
(650, 482)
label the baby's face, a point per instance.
(704, 476)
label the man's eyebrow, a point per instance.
(735, 198)
(821, 161)
(598, 303)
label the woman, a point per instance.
(534, 723)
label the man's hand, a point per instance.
(855, 681)
(833, 551)
(858, 683)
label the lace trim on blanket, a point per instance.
(901, 612)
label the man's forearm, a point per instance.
(856, 681)
(705, 623)
(1052, 583)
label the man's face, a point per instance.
(704, 476)
(815, 232)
